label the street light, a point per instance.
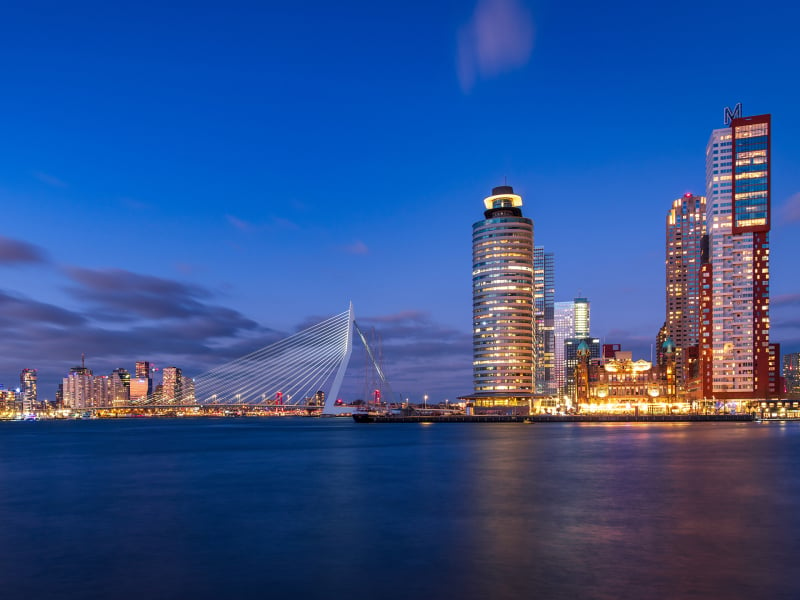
(425, 399)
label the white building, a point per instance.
(737, 360)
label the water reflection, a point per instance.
(324, 508)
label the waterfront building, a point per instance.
(78, 387)
(570, 320)
(502, 303)
(578, 352)
(28, 390)
(685, 228)
(544, 313)
(582, 317)
(8, 401)
(101, 391)
(142, 384)
(791, 373)
(171, 386)
(661, 337)
(621, 384)
(563, 329)
(737, 360)
(187, 390)
(119, 384)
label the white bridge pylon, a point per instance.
(290, 372)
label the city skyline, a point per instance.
(184, 190)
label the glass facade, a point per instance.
(751, 174)
(544, 309)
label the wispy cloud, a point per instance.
(640, 345)
(117, 317)
(498, 38)
(134, 204)
(790, 211)
(17, 252)
(420, 355)
(50, 179)
(239, 224)
(357, 247)
(404, 316)
(283, 223)
(785, 300)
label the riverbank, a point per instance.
(369, 418)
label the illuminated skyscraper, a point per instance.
(28, 389)
(686, 226)
(791, 373)
(171, 390)
(142, 384)
(544, 300)
(119, 386)
(564, 328)
(571, 321)
(582, 317)
(142, 368)
(78, 387)
(737, 360)
(502, 301)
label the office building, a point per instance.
(142, 384)
(570, 320)
(563, 329)
(544, 313)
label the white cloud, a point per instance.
(357, 247)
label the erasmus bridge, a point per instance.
(293, 373)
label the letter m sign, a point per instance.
(730, 115)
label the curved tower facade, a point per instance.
(503, 300)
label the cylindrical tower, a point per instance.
(502, 298)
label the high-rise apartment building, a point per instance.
(544, 291)
(119, 387)
(737, 360)
(171, 390)
(791, 373)
(28, 389)
(188, 395)
(685, 228)
(502, 301)
(78, 388)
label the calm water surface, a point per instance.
(324, 508)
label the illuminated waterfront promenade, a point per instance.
(593, 418)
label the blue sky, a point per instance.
(184, 182)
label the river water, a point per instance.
(324, 508)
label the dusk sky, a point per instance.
(184, 183)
